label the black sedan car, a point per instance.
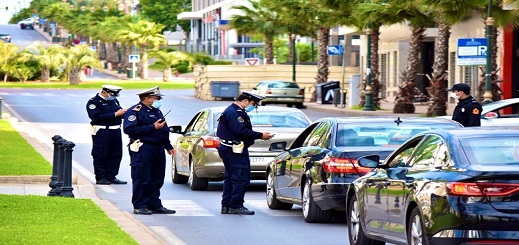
(458, 186)
(322, 161)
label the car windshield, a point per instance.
(382, 133)
(282, 84)
(492, 150)
(276, 119)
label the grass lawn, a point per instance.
(56, 220)
(188, 84)
(17, 156)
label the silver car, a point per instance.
(280, 92)
(499, 113)
(197, 161)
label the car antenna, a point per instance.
(398, 121)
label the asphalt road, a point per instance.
(45, 113)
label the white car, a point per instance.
(28, 23)
(499, 113)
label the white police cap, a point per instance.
(151, 92)
(112, 89)
(252, 96)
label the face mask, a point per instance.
(453, 95)
(249, 108)
(111, 98)
(157, 104)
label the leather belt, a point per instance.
(231, 142)
(107, 127)
(152, 143)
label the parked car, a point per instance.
(28, 23)
(499, 113)
(5, 37)
(197, 161)
(322, 161)
(457, 186)
(280, 92)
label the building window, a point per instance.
(383, 75)
(395, 68)
(452, 69)
(471, 76)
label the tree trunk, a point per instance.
(112, 55)
(437, 89)
(166, 74)
(74, 76)
(45, 74)
(323, 64)
(126, 50)
(290, 48)
(406, 88)
(269, 51)
(143, 65)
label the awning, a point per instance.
(189, 16)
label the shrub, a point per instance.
(181, 68)
(220, 62)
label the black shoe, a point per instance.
(143, 211)
(103, 182)
(225, 210)
(118, 182)
(163, 210)
(242, 210)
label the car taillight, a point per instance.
(301, 92)
(210, 142)
(268, 91)
(343, 165)
(481, 189)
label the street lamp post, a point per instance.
(487, 96)
(293, 55)
(368, 94)
(105, 9)
(312, 47)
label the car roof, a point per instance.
(260, 108)
(499, 103)
(475, 132)
(389, 119)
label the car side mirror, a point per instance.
(254, 88)
(278, 146)
(175, 129)
(490, 115)
(369, 161)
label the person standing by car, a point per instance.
(236, 136)
(145, 124)
(106, 116)
(468, 110)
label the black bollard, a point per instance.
(66, 189)
(61, 159)
(55, 164)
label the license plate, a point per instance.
(285, 99)
(257, 159)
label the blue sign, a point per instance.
(133, 58)
(472, 51)
(335, 50)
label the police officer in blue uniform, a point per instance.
(468, 110)
(149, 136)
(106, 115)
(236, 135)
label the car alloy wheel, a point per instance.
(272, 201)
(355, 233)
(311, 212)
(196, 183)
(415, 230)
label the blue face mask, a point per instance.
(249, 108)
(111, 98)
(157, 104)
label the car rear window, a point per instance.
(382, 133)
(280, 119)
(492, 150)
(283, 85)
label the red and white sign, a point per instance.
(251, 61)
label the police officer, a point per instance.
(106, 115)
(236, 135)
(149, 136)
(468, 110)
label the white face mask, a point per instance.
(453, 95)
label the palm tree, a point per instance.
(447, 12)
(143, 34)
(77, 58)
(169, 60)
(258, 20)
(49, 58)
(9, 53)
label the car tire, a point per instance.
(300, 106)
(415, 229)
(176, 177)
(355, 232)
(272, 201)
(311, 212)
(195, 183)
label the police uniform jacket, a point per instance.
(102, 111)
(467, 112)
(234, 124)
(139, 124)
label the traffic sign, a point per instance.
(472, 51)
(134, 58)
(335, 50)
(252, 61)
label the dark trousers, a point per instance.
(148, 168)
(107, 152)
(236, 176)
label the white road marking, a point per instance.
(186, 208)
(167, 235)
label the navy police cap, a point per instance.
(252, 96)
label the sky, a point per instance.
(13, 6)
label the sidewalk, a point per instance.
(39, 185)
